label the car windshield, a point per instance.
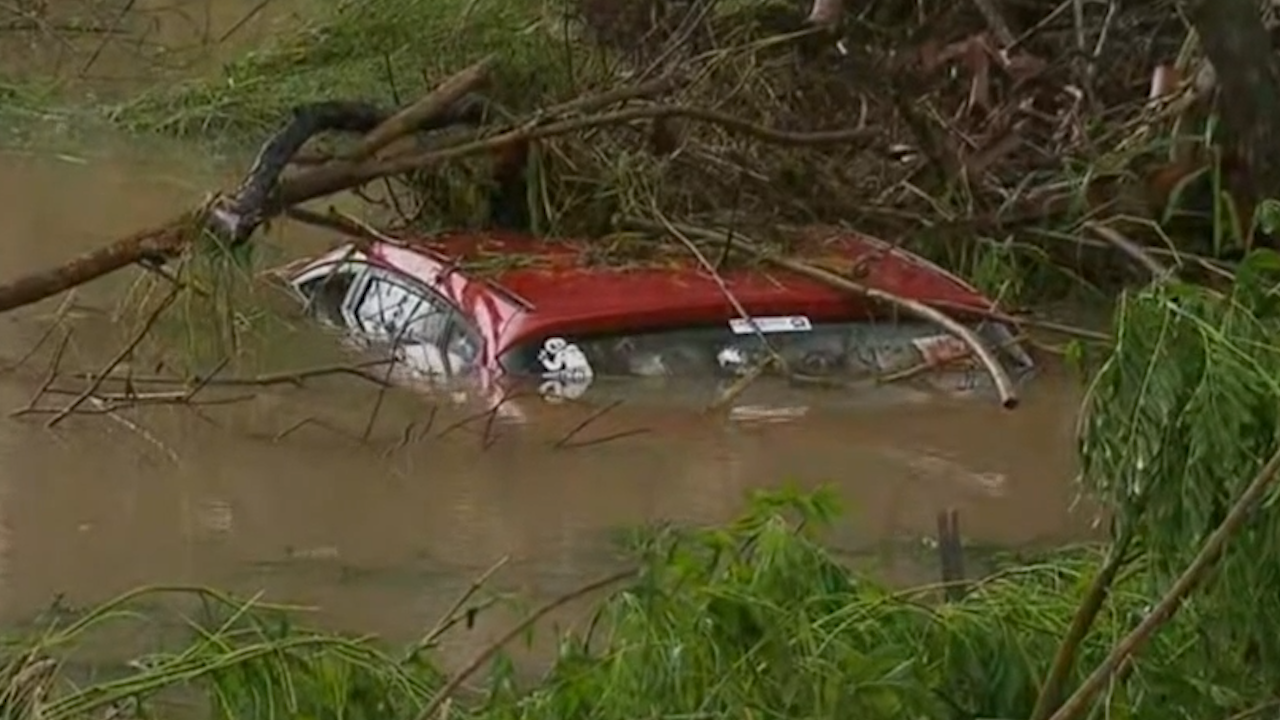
(837, 351)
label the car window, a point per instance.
(407, 314)
(326, 293)
(393, 310)
(836, 350)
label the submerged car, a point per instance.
(500, 308)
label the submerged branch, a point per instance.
(1004, 385)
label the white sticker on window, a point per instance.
(563, 360)
(766, 325)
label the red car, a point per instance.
(499, 307)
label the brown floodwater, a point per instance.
(381, 535)
(283, 494)
(115, 46)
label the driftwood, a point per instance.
(364, 164)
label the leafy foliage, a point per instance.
(754, 618)
(1180, 417)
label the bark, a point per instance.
(1248, 78)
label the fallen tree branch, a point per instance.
(735, 241)
(1186, 583)
(329, 179)
(430, 106)
(159, 241)
(167, 240)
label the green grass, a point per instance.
(750, 619)
(382, 51)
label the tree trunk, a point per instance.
(1248, 78)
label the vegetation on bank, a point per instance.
(389, 52)
(753, 618)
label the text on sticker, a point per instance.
(767, 325)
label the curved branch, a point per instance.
(334, 178)
(1004, 385)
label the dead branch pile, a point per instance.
(1005, 123)
(970, 119)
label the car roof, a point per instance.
(558, 286)
(581, 278)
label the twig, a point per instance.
(106, 37)
(607, 438)
(289, 377)
(446, 620)
(479, 660)
(119, 358)
(1172, 600)
(583, 425)
(1085, 615)
(951, 554)
(740, 385)
(312, 421)
(44, 337)
(51, 376)
(936, 363)
(467, 420)
(1004, 386)
(244, 20)
(1130, 248)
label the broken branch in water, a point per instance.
(596, 415)
(735, 241)
(169, 239)
(119, 358)
(285, 377)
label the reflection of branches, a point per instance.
(565, 443)
(490, 415)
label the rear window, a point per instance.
(838, 350)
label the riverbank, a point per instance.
(754, 616)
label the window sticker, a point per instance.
(565, 368)
(768, 325)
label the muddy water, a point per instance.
(382, 534)
(117, 45)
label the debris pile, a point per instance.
(952, 125)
